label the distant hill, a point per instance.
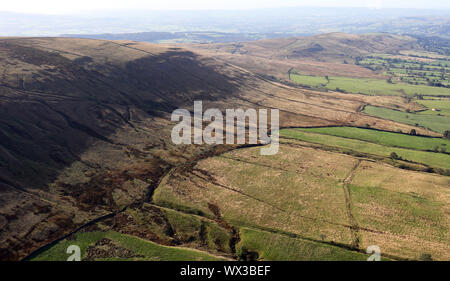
(326, 46)
(181, 37)
(331, 54)
(294, 21)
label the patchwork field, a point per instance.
(412, 68)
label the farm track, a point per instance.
(354, 229)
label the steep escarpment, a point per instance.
(82, 125)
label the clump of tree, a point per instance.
(245, 254)
(418, 96)
(447, 135)
(394, 156)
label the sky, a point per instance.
(79, 6)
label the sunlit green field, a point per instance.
(442, 106)
(384, 138)
(438, 160)
(142, 249)
(312, 81)
(433, 122)
(369, 86)
(278, 247)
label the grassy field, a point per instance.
(140, 249)
(312, 81)
(260, 194)
(436, 160)
(370, 86)
(443, 105)
(415, 203)
(432, 122)
(279, 247)
(384, 138)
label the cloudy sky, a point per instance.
(68, 7)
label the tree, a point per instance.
(394, 156)
(447, 135)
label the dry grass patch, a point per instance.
(408, 210)
(298, 197)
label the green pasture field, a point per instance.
(442, 105)
(384, 138)
(437, 160)
(312, 81)
(281, 247)
(369, 86)
(145, 250)
(433, 122)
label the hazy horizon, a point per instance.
(52, 7)
(376, 16)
